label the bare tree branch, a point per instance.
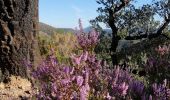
(164, 25)
(117, 8)
(158, 33)
(151, 36)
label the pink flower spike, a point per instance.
(150, 97)
(76, 60)
(66, 70)
(86, 77)
(87, 40)
(80, 25)
(65, 81)
(108, 96)
(83, 93)
(79, 80)
(123, 88)
(85, 56)
(72, 70)
(162, 50)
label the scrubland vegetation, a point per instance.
(71, 69)
(131, 61)
(128, 61)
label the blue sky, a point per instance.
(65, 13)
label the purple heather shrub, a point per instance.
(162, 50)
(68, 70)
(87, 77)
(80, 26)
(64, 78)
(137, 89)
(122, 88)
(87, 40)
(158, 66)
(84, 56)
(79, 59)
(45, 91)
(79, 80)
(120, 75)
(108, 97)
(118, 82)
(47, 70)
(74, 96)
(91, 58)
(84, 92)
(150, 97)
(160, 92)
(55, 80)
(66, 81)
(151, 62)
(76, 59)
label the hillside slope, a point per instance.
(50, 29)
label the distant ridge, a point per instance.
(43, 27)
(89, 28)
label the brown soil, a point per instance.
(16, 89)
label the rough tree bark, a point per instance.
(18, 29)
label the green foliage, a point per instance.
(92, 79)
(43, 41)
(102, 49)
(138, 52)
(140, 55)
(63, 45)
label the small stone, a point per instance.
(20, 87)
(2, 86)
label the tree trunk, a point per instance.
(18, 29)
(115, 38)
(114, 44)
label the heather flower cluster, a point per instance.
(119, 82)
(57, 81)
(87, 40)
(160, 91)
(162, 50)
(137, 90)
(157, 67)
(88, 78)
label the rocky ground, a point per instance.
(16, 89)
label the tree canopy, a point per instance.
(130, 22)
